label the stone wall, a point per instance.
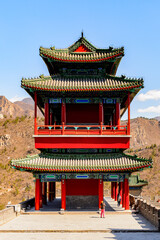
(7, 214)
(149, 210)
(82, 202)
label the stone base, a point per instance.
(82, 202)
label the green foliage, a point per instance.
(28, 188)
(5, 123)
(16, 120)
(2, 206)
(16, 191)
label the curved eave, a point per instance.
(84, 59)
(52, 164)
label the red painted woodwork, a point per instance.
(44, 193)
(76, 129)
(50, 191)
(81, 187)
(113, 184)
(118, 114)
(63, 194)
(126, 185)
(100, 191)
(40, 195)
(82, 113)
(123, 195)
(37, 194)
(128, 114)
(35, 113)
(46, 113)
(82, 48)
(63, 113)
(120, 190)
(116, 191)
(101, 113)
(82, 142)
(111, 189)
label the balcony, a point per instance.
(66, 129)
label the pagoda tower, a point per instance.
(82, 140)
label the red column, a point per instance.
(111, 189)
(35, 113)
(120, 190)
(37, 194)
(118, 114)
(100, 191)
(126, 185)
(101, 118)
(49, 191)
(46, 113)
(40, 195)
(128, 132)
(63, 194)
(113, 184)
(116, 190)
(51, 118)
(123, 195)
(63, 113)
(44, 193)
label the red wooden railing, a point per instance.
(65, 129)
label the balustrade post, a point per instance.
(62, 128)
(101, 127)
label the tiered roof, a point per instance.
(59, 83)
(82, 163)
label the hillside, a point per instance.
(16, 142)
(18, 108)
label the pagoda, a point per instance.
(82, 140)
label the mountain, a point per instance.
(158, 118)
(18, 108)
(8, 108)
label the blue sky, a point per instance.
(27, 25)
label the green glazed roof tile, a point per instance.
(76, 83)
(81, 163)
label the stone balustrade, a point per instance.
(7, 214)
(149, 209)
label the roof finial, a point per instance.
(82, 34)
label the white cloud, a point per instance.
(152, 109)
(16, 98)
(150, 95)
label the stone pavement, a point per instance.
(88, 225)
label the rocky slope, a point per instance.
(18, 108)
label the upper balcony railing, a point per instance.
(66, 129)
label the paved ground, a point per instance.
(80, 236)
(75, 226)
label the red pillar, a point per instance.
(113, 184)
(63, 113)
(35, 113)
(63, 194)
(111, 189)
(50, 191)
(100, 191)
(118, 114)
(128, 132)
(44, 193)
(101, 118)
(126, 184)
(116, 190)
(120, 190)
(51, 118)
(37, 194)
(40, 195)
(46, 113)
(123, 195)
